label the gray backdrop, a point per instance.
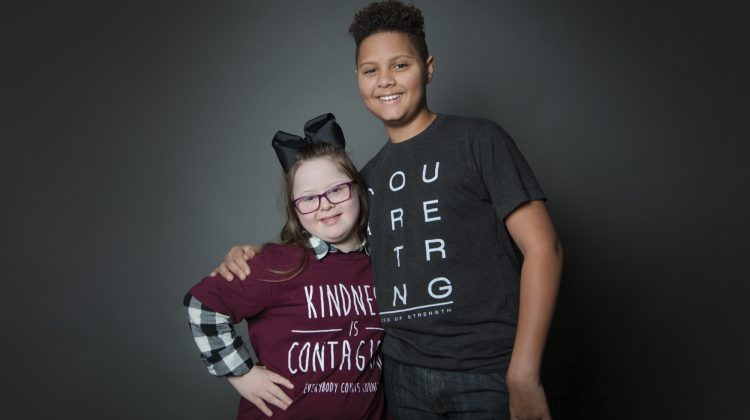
(135, 151)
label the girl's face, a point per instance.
(333, 223)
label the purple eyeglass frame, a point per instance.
(325, 194)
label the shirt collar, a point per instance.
(321, 248)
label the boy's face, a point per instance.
(392, 78)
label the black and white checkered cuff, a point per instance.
(221, 348)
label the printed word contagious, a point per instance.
(311, 356)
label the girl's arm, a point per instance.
(221, 348)
(531, 228)
(226, 355)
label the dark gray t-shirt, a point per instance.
(446, 273)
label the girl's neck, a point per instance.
(348, 245)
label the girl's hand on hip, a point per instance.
(261, 386)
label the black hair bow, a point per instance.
(322, 129)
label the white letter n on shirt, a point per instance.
(397, 294)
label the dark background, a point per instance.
(135, 152)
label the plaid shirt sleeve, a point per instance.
(221, 348)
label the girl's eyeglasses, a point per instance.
(337, 194)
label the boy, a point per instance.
(465, 319)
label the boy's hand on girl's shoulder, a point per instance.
(235, 262)
(261, 386)
(528, 400)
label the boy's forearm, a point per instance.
(540, 280)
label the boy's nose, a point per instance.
(386, 80)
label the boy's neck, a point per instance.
(402, 132)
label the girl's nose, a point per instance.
(325, 204)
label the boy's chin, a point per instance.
(386, 116)
(391, 119)
(396, 118)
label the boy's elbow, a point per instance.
(550, 248)
(549, 253)
(558, 249)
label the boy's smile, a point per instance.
(392, 79)
(390, 98)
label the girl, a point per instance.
(309, 302)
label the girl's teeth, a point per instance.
(389, 97)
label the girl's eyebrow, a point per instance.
(315, 192)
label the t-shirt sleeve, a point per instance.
(240, 299)
(507, 176)
(237, 299)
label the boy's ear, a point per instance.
(429, 68)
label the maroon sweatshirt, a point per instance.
(320, 329)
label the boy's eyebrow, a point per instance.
(391, 59)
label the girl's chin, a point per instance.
(343, 244)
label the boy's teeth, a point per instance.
(389, 97)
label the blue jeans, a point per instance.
(416, 393)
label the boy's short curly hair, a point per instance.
(390, 16)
